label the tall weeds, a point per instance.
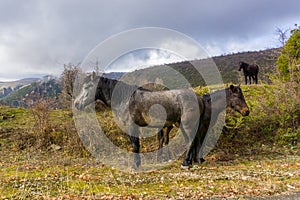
(41, 129)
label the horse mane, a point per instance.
(106, 90)
(215, 94)
(243, 65)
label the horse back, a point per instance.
(172, 103)
(253, 69)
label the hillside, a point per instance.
(265, 59)
(255, 157)
(29, 93)
(10, 86)
(227, 65)
(15, 93)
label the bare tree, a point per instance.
(282, 35)
(67, 79)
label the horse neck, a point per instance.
(218, 103)
(245, 66)
(106, 91)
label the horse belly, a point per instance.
(158, 116)
(157, 109)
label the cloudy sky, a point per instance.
(38, 37)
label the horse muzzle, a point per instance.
(245, 112)
(78, 105)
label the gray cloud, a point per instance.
(38, 37)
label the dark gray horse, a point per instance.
(234, 99)
(250, 71)
(136, 107)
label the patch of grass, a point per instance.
(53, 175)
(256, 155)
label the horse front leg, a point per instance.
(166, 134)
(190, 154)
(191, 148)
(199, 140)
(135, 143)
(246, 79)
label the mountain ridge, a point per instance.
(48, 86)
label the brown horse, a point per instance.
(250, 71)
(234, 99)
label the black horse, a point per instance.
(136, 107)
(208, 120)
(250, 71)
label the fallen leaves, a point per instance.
(48, 177)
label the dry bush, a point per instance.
(41, 128)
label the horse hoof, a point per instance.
(135, 167)
(185, 166)
(202, 160)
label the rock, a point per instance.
(55, 147)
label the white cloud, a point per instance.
(185, 49)
(142, 59)
(41, 36)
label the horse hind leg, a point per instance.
(163, 138)
(135, 143)
(200, 137)
(251, 77)
(246, 80)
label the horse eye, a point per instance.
(87, 86)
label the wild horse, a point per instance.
(234, 99)
(250, 71)
(137, 107)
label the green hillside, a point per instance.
(174, 75)
(31, 92)
(227, 65)
(256, 156)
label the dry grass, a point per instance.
(56, 176)
(256, 156)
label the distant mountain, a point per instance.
(114, 75)
(7, 87)
(26, 91)
(27, 94)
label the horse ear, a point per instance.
(93, 75)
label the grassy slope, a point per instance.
(25, 176)
(227, 65)
(252, 158)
